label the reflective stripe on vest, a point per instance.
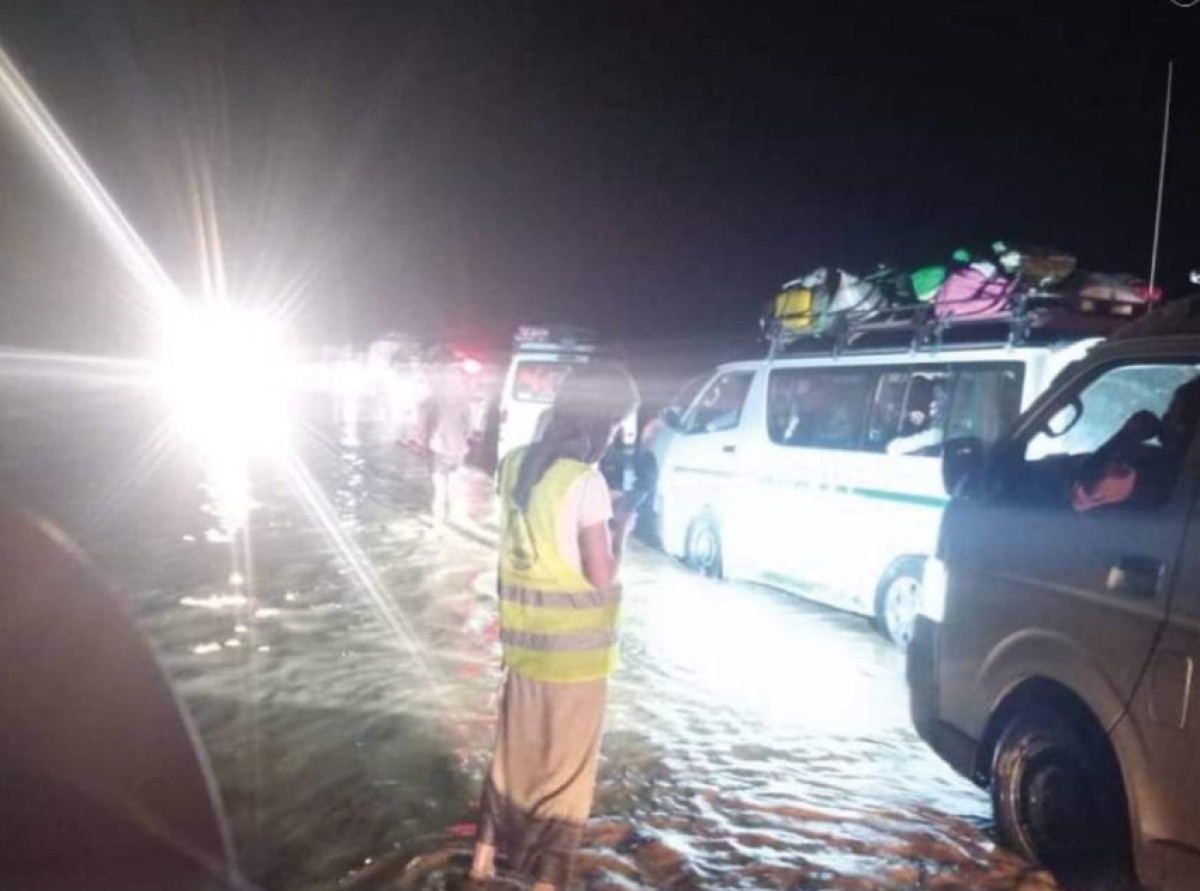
(554, 625)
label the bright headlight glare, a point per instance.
(228, 376)
(933, 593)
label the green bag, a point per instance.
(926, 281)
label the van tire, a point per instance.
(702, 549)
(897, 601)
(1058, 799)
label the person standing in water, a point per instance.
(447, 424)
(560, 551)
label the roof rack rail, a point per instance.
(1031, 317)
(554, 337)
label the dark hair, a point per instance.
(592, 399)
(1181, 416)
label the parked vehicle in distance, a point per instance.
(1054, 660)
(542, 357)
(818, 471)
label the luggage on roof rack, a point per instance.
(1038, 267)
(1026, 316)
(819, 301)
(979, 290)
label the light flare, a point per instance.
(230, 379)
(56, 149)
(359, 563)
(74, 368)
(225, 370)
(141, 467)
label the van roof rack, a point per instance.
(554, 337)
(1032, 318)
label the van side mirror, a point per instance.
(961, 459)
(672, 418)
(1064, 420)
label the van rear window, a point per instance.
(539, 381)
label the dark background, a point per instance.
(651, 169)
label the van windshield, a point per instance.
(538, 381)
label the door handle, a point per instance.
(1136, 575)
(729, 449)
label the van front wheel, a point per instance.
(702, 552)
(1056, 790)
(898, 601)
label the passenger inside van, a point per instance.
(922, 428)
(796, 418)
(783, 407)
(1131, 467)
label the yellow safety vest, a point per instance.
(554, 624)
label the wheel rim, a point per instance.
(901, 600)
(705, 549)
(1057, 809)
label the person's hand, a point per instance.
(1114, 486)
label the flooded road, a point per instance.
(342, 671)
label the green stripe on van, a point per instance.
(938, 501)
(903, 497)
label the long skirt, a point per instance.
(538, 794)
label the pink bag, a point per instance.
(975, 291)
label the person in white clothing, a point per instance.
(447, 434)
(923, 428)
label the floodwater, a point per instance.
(342, 672)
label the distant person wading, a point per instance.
(560, 550)
(447, 425)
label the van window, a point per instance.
(819, 408)
(683, 399)
(719, 407)
(985, 402)
(900, 411)
(538, 382)
(947, 402)
(1121, 440)
(886, 409)
(1105, 404)
(922, 422)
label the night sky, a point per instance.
(652, 169)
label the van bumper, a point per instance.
(952, 745)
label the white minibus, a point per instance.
(819, 472)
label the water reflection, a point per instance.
(753, 740)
